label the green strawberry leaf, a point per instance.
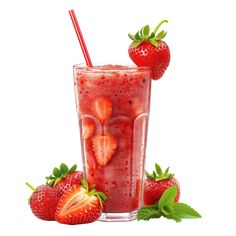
(56, 172)
(57, 180)
(158, 169)
(154, 175)
(132, 37)
(64, 168)
(138, 38)
(72, 169)
(168, 197)
(146, 30)
(184, 211)
(166, 171)
(102, 196)
(161, 35)
(135, 44)
(148, 175)
(152, 35)
(148, 212)
(85, 184)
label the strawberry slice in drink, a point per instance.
(88, 127)
(102, 108)
(104, 146)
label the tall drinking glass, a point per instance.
(113, 108)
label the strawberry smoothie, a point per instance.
(113, 107)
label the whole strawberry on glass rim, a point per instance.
(148, 49)
(156, 183)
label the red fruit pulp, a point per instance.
(126, 118)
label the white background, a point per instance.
(192, 121)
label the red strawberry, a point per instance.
(102, 108)
(149, 50)
(156, 183)
(80, 205)
(64, 178)
(43, 202)
(104, 146)
(87, 128)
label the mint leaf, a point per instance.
(148, 212)
(184, 211)
(173, 217)
(56, 172)
(168, 197)
(64, 168)
(166, 210)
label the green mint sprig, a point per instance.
(166, 207)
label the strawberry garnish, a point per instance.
(80, 205)
(43, 202)
(63, 178)
(156, 183)
(87, 128)
(104, 146)
(148, 49)
(102, 108)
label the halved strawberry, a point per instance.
(102, 108)
(80, 205)
(87, 128)
(104, 146)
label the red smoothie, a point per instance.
(113, 107)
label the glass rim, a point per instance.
(100, 69)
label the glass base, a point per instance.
(118, 217)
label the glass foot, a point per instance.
(118, 217)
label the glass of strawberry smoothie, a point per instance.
(113, 108)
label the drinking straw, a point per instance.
(80, 38)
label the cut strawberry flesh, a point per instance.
(76, 206)
(104, 146)
(102, 108)
(87, 128)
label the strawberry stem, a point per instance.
(30, 186)
(159, 25)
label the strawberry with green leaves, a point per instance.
(168, 208)
(156, 183)
(149, 49)
(63, 178)
(80, 204)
